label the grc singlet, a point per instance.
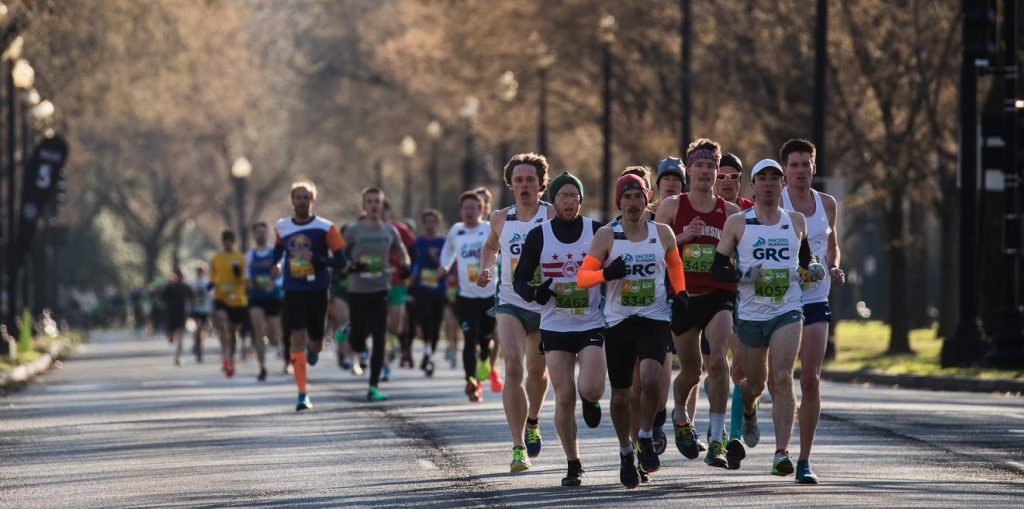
(643, 291)
(699, 253)
(513, 236)
(776, 247)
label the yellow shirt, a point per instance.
(228, 287)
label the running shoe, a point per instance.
(520, 461)
(592, 413)
(804, 474)
(660, 440)
(497, 384)
(406, 361)
(628, 474)
(364, 359)
(177, 361)
(304, 403)
(686, 440)
(716, 455)
(342, 360)
(429, 370)
(312, 357)
(375, 395)
(483, 370)
(782, 464)
(533, 440)
(473, 390)
(751, 433)
(385, 373)
(644, 476)
(229, 368)
(424, 362)
(735, 453)
(262, 377)
(648, 459)
(573, 476)
(357, 368)
(701, 446)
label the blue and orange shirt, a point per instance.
(320, 239)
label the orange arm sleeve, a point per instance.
(590, 273)
(676, 276)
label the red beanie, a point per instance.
(628, 182)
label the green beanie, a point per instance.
(561, 180)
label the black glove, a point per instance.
(357, 267)
(236, 269)
(615, 270)
(680, 307)
(542, 294)
(209, 286)
(403, 271)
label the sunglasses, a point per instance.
(730, 176)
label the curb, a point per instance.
(26, 372)
(935, 383)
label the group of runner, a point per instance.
(702, 274)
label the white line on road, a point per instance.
(1014, 464)
(427, 465)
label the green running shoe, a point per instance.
(782, 464)
(304, 403)
(716, 455)
(374, 394)
(628, 474)
(520, 462)
(804, 474)
(686, 440)
(532, 440)
(483, 369)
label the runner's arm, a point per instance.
(722, 268)
(336, 251)
(489, 253)
(832, 253)
(673, 263)
(448, 251)
(278, 247)
(591, 272)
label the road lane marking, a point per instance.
(427, 465)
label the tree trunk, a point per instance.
(899, 321)
(917, 250)
(151, 254)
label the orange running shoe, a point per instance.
(497, 384)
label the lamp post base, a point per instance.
(966, 347)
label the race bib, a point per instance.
(428, 277)
(373, 266)
(636, 292)
(773, 286)
(805, 283)
(299, 268)
(535, 280)
(698, 257)
(473, 270)
(263, 282)
(571, 299)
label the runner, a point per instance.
(697, 217)
(771, 246)
(821, 211)
(338, 319)
(309, 245)
(428, 287)
(730, 178)
(370, 244)
(497, 383)
(462, 248)
(176, 295)
(400, 322)
(636, 255)
(200, 308)
(227, 275)
(264, 296)
(518, 321)
(571, 323)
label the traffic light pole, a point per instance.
(965, 347)
(1008, 339)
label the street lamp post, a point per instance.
(408, 149)
(545, 59)
(606, 31)
(22, 77)
(240, 171)
(434, 132)
(469, 112)
(508, 87)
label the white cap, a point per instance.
(764, 164)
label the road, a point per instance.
(119, 425)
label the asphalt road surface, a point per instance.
(120, 425)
